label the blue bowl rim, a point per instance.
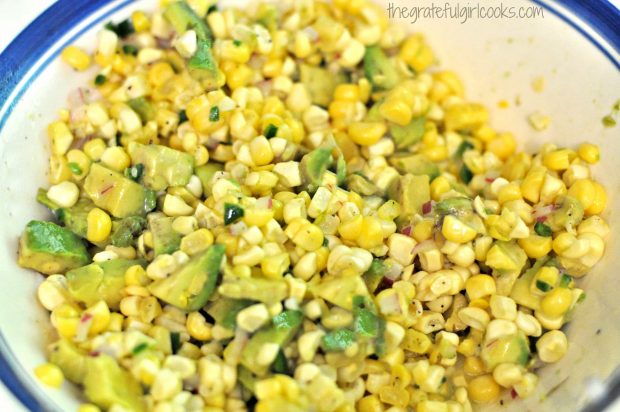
(33, 41)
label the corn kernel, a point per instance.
(99, 225)
(589, 153)
(483, 389)
(76, 58)
(50, 375)
(366, 133)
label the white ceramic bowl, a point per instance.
(575, 47)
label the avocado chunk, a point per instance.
(183, 18)
(374, 275)
(456, 206)
(320, 83)
(190, 287)
(163, 166)
(379, 69)
(71, 360)
(338, 340)
(224, 311)
(506, 256)
(115, 193)
(416, 164)
(507, 349)
(49, 248)
(202, 67)
(406, 136)
(283, 328)
(521, 291)
(360, 184)
(567, 216)
(340, 290)
(314, 165)
(125, 230)
(74, 217)
(259, 289)
(105, 280)
(166, 240)
(206, 172)
(411, 192)
(107, 384)
(143, 107)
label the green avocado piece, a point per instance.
(125, 230)
(340, 290)
(206, 172)
(105, 280)
(406, 136)
(314, 164)
(379, 69)
(258, 289)
(246, 378)
(166, 240)
(361, 185)
(181, 16)
(190, 287)
(341, 170)
(507, 349)
(320, 83)
(416, 164)
(521, 292)
(374, 275)
(267, 15)
(567, 216)
(71, 360)
(224, 311)
(107, 384)
(49, 248)
(454, 206)
(411, 192)
(506, 256)
(115, 193)
(163, 166)
(338, 340)
(143, 107)
(74, 217)
(283, 328)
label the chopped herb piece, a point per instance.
(609, 121)
(463, 147)
(280, 364)
(542, 230)
(270, 131)
(75, 168)
(100, 79)
(237, 42)
(232, 213)
(183, 116)
(338, 340)
(135, 172)
(543, 286)
(139, 348)
(212, 8)
(122, 29)
(465, 174)
(565, 281)
(130, 49)
(214, 114)
(175, 341)
(325, 242)
(581, 297)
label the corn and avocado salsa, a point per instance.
(290, 207)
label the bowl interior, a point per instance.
(498, 59)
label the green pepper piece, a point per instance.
(338, 340)
(232, 213)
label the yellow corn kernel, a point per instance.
(366, 133)
(197, 326)
(115, 158)
(483, 389)
(341, 109)
(536, 246)
(60, 136)
(261, 152)
(196, 241)
(159, 73)
(395, 396)
(436, 153)
(79, 159)
(465, 116)
(503, 146)
(589, 153)
(473, 366)
(76, 58)
(99, 225)
(352, 228)
(235, 52)
(416, 341)
(467, 347)
(370, 403)
(136, 276)
(422, 230)
(309, 237)
(532, 184)
(485, 133)
(239, 76)
(416, 53)
(451, 80)
(557, 302)
(88, 407)
(599, 202)
(456, 231)
(59, 170)
(583, 190)
(100, 317)
(275, 266)
(558, 159)
(371, 234)
(140, 21)
(439, 186)
(479, 286)
(511, 191)
(94, 148)
(390, 210)
(50, 375)
(347, 92)
(396, 111)
(273, 68)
